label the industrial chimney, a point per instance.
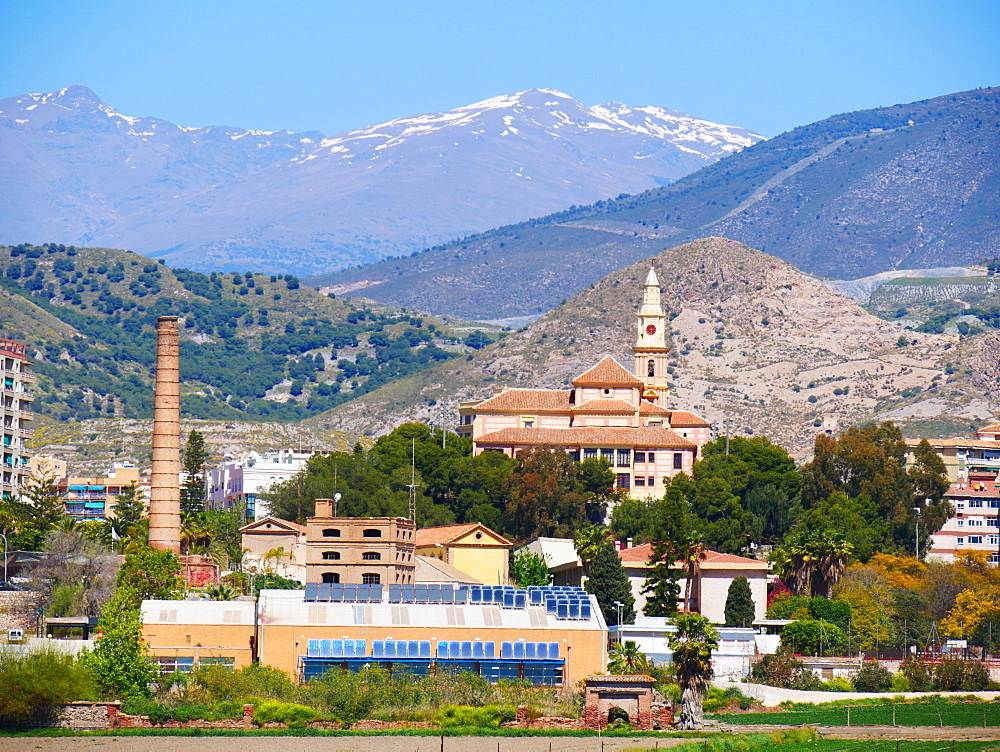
(165, 493)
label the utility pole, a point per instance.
(916, 531)
(413, 481)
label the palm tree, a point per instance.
(831, 552)
(194, 536)
(221, 592)
(692, 552)
(627, 660)
(587, 541)
(692, 644)
(272, 558)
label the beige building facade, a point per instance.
(609, 412)
(471, 548)
(358, 550)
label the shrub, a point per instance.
(956, 675)
(839, 684)
(784, 670)
(220, 683)
(490, 716)
(813, 636)
(919, 675)
(873, 678)
(900, 683)
(276, 711)
(157, 712)
(34, 685)
(618, 717)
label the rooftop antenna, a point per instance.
(413, 482)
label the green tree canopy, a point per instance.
(193, 489)
(611, 585)
(739, 611)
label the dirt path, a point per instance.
(332, 744)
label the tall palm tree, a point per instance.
(692, 644)
(273, 558)
(587, 541)
(831, 552)
(692, 552)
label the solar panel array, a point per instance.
(530, 651)
(468, 650)
(401, 649)
(343, 593)
(337, 648)
(563, 602)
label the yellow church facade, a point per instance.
(608, 412)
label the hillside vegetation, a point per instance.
(907, 186)
(756, 345)
(254, 346)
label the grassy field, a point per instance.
(761, 743)
(964, 714)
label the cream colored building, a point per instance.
(609, 412)
(471, 548)
(182, 634)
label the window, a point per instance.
(575, 455)
(975, 502)
(590, 454)
(650, 368)
(529, 424)
(331, 532)
(372, 532)
(609, 455)
(975, 522)
(331, 577)
(607, 392)
(975, 539)
(623, 480)
(991, 522)
(651, 481)
(371, 556)
(961, 523)
(960, 542)
(993, 540)
(640, 457)
(650, 456)
(217, 661)
(640, 481)
(370, 578)
(175, 663)
(678, 460)
(624, 458)
(994, 503)
(331, 555)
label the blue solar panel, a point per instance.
(562, 610)
(310, 592)
(325, 648)
(585, 610)
(313, 649)
(395, 593)
(323, 592)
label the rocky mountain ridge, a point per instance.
(227, 199)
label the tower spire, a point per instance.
(651, 342)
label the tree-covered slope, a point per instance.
(253, 346)
(909, 186)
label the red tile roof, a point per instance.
(646, 437)
(537, 400)
(442, 534)
(646, 407)
(608, 372)
(279, 525)
(712, 560)
(686, 419)
(605, 406)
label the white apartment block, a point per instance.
(242, 480)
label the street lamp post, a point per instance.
(916, 531)
(620, 608)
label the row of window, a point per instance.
(991, 540)
(978, 503)
(366, 556)
(990, 522)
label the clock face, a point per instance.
(651, 329)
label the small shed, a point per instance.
(633, 694)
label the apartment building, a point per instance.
(17, 396)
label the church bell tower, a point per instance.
(651, 345)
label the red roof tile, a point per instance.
(605, 406)
(646, 407)
(608, 372)
(645, 437)
(433, 536)
(686, 419)
(641, 554)
(538, 400)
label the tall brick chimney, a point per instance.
(165, 493)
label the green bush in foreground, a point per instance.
(490, 716)
(34, 685)
(873, 678)
(276, 711)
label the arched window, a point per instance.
(372, 532)
(370, 578)
(651, 368)
(334, 555)
(371, 556)
(331, 578)
(331, 532)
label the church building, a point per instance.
(608, 412)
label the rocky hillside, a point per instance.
(907, 186)
(755, 343)
(77, 171)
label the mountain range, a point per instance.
(902, 187)
(79, 172)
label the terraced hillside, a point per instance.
(755, 343)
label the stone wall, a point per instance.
(18, 611)
(88, 715)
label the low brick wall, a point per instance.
(88, 715)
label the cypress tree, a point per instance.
(609, 583)
(193, 490)
(739, 603)
(661, 589)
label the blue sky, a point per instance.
(332, 66)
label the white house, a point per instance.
(242, 480)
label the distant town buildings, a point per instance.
(609, 412)
(18, 395)
(241, 481)
(94, 498)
